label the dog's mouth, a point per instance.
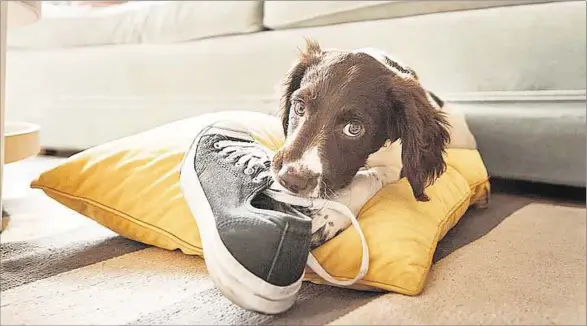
(303, 177)
(315, 192)
(321, 186)
(317, 189)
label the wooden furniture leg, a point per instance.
(3, 27)
(22, 13)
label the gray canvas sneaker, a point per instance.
(255, 247)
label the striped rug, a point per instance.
(521, 261)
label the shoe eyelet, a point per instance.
(249, 171)
(258, 180)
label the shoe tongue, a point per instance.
(264, 201)
(275, 186)
(279, 193)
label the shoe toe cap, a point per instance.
(277, 254)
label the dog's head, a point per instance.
(339, 107)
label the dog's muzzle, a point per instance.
(297, 180)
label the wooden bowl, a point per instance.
(21, 141)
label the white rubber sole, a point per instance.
(238, 284)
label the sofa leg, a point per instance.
(5, 221)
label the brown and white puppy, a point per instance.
(354, 122)
(340, 109)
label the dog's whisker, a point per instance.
(330, 194)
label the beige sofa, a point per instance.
(516, 68)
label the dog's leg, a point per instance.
(328, 223)
(384, 167)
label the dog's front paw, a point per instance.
(318, 238)
(326, 225)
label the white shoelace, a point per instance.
(257, 156)
(253, 157)
(321, 204)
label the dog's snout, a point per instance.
(297, 180)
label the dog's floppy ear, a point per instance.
(423, 131)
(294, 77)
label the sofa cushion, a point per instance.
(494, 54)
(294, 14)
(137, 22)
(132, 186)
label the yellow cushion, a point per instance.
(131, 186)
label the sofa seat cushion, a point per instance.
(295, 14)
(137, 22)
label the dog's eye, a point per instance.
(353, 129)
(299, 108)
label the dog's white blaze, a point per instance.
(290, 138)
(311, 160)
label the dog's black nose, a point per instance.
(296, 180)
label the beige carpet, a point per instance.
(530, 270)
(494, 267)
